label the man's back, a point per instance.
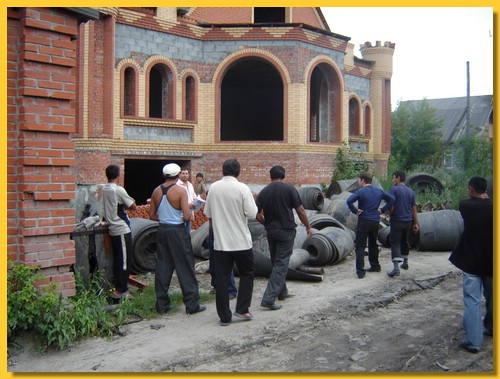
(278, 199)
(230, 204)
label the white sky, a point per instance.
(433, 46)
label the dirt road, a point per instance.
(411, 323)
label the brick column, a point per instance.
(41, 117)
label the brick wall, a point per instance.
(41, 116)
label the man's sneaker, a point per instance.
(200, 308)
(393, 273)
(361, 274)
(224, 323)
(404, 266)
(374, 269)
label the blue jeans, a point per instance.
(473, 285)
(280, 249)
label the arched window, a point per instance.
(129, 92)
(252, 101)
(324, 105)
(353, 117)
(190, 99)
(368, 121)
(161, 92)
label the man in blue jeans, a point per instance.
(474, 256)
(369, 199)
(275, 204)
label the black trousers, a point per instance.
(366, 231)
(224, 261)
(122, 254)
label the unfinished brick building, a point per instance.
(140, 87)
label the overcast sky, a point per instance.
(433, 46)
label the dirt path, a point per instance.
(410, 323)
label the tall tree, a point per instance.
(416, 137)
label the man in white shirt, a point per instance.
(184, 182)
(230, 204)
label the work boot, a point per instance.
(393, 273)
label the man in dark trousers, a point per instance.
(275, 204)
(368, 211)
(169, 205)
(403, 220)
(115, 200)
(230, 204)
(474, 256)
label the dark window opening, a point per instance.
(368, 121)
(353, 117)
(129, 92)
(252, 102)
(142, 176)
(190, 98)
(161, 97)
(268, 15)
(324, 117)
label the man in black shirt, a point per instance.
(275, 205)
(474, 256)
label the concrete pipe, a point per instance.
(312, 198)
(439, 230)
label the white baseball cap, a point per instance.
(171, 169)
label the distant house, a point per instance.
(453, 112)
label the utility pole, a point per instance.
(467, 109)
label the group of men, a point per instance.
(229, 206)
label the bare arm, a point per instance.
(415, 227)
(260, 217)
(153, 205)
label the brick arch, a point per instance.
(367, 112)
(354, 118)
(122, 67)
(324, 80)
(226, 65)
(150, 63)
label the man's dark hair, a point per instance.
(478, 184)
(231, 167)
(277, 172)
(199, 175)
(400, 174)
(366, 176)
(112, 172)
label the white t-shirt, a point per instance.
(230, 204)
(112, 195)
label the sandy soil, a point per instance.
(411, 323)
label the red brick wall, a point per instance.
(40, 157)
(222, 15)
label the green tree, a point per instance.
(416, 136)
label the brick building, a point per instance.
(140, 87)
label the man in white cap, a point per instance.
(174, 251)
